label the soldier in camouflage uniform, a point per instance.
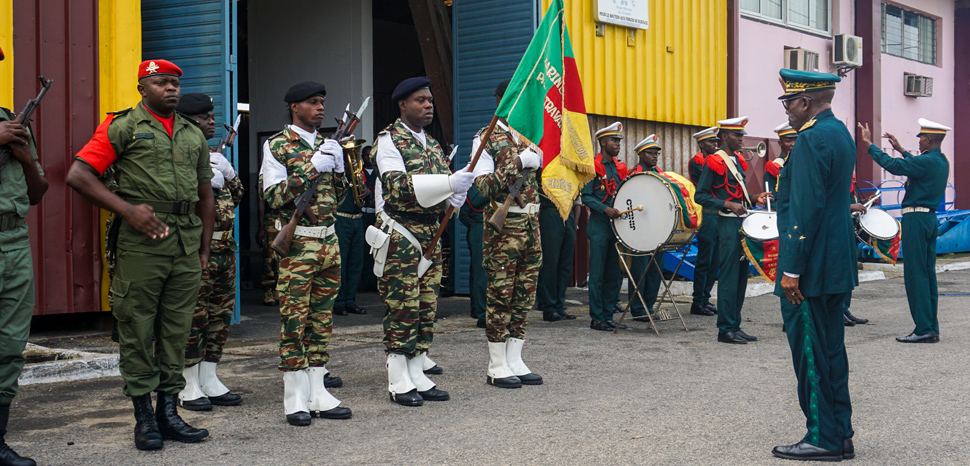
(217, 295)
(413, 184)
(309, 277)
(511, 257)
(264, 237)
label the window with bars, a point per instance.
(812, 15)
(908, 35)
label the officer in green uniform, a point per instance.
(217, 295)
(648, 152)
(558, 247)
(350, 233)
(471, 216)
(22, 184)
(705, 266)
(817, 263)
(164, 198)
(722, 188)
(293, 160)
(925, 188)
(604, 263)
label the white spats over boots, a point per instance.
(513, 353)
(321, 402)
(431, 367)
(213, 388)
(426, 388)
(192, 397)
(296, 392)
(499, 373)
(399, 385)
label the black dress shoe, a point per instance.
(741, 334)
(848, 322)
(8, 457)
(855, 319)
(806, 452)
(530, 379)
(339, 311)
(731, 337)
(335, 413)
(332, 382)
(551, 316)
(411, 398)
(301, 418)
(567, 316)
(227, 399)
(600, 325)
(712, 307)
(617, 308)
(612, 323)
(171, 425)
(147, 436)
(504, 382)
(353, 309)
(199, 404)
(914, 338)
(701, 310)
(848, 450)
(434, 395)
(481, 324)
(436, 370)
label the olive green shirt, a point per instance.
(13, 195)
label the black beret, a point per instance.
(195, 103)
(409, 86)
(303, 91)
(502, 86)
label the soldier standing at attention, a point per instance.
(414, 182)
(472, 217)
(22, 184)
(927, 175)
(721, 187)
(310, 271)
(166, 205)
(512, 256)
(350, 233)
(558, 249)
(705, 269)
(604, 262)
(648, 152)
(217, 295)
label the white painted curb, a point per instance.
(68, 365)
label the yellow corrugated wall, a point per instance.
(6, 43)
(686, 84)
(119, 53)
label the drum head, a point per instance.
(646, 230)
(762, 226)
(879, 224)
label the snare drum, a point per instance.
(660, 223)
(759, 240)
(760, 225)
(876, 223)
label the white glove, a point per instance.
(218, 180)
(530, 159)
(322, 161)
(461, 181)
(456, 200)
(221, 163)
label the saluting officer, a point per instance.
(22, 184)
(166, 205)
(648, 153)
(705, 268)
(927, 175)
(217, 295)
(604, 263)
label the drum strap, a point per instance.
(734, 172)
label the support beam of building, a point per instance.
(733, 49)
(434, 35)
(961, 102)
(868, 99)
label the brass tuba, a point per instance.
(354, 168)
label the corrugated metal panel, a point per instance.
(487, 50)
(675, 72)
(57, 39)
(676, 141)
(6, 43)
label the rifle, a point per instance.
(230, 137)
(24, 117)
(497, 222)
(281, 244)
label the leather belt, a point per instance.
(221, 235)
(11, 221)
(909, 210)
(530, 209)
(309, 232)
(350, 216)
(167, 207)
(411, 216)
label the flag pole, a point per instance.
(451, 209)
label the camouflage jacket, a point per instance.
(227, 199)
(503, 148)
(289, 149)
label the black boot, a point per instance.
(9, 457)
(147, 436)
(172, 426)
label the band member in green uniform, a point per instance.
(166, 204)
(817, 263)
(471, 216)
(604, 263)
(721, 187)
(786, 140)
(855, 208)
(706, 264)
(648, 153)
(927, 175)
(558, 251)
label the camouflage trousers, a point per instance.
(409, 302)
(308, 284)
(213, 312)
(271, 263)
(512, 260)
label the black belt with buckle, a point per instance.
(11, 221)
(167, 207)
(411, 216)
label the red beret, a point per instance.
(158, 68)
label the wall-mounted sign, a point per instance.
(629, 13)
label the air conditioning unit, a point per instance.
(801, 59)
(847, 50)
(918, 86)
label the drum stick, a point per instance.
(768, 199)
(872, 199)
(637, 208)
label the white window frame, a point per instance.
(784, 18)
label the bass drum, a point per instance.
(658, 224)
(877, 223)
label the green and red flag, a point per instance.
(544, 104)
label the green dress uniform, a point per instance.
(925, 187)
(368, 281)
(649, 283)
(151, 167)
(558, 243)
(471, 216)
(817, 243)
(604, 262)
(350, 233)
(708, 252)
(17, 268)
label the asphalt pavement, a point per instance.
(626, 398)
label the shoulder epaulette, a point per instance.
(807, 125)
(387, 129)
(275, 135)
(188, 118)
(773, 168)
(743, 162)
(698, 159)
(121, 112)
(622, 170)
(716, 164)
